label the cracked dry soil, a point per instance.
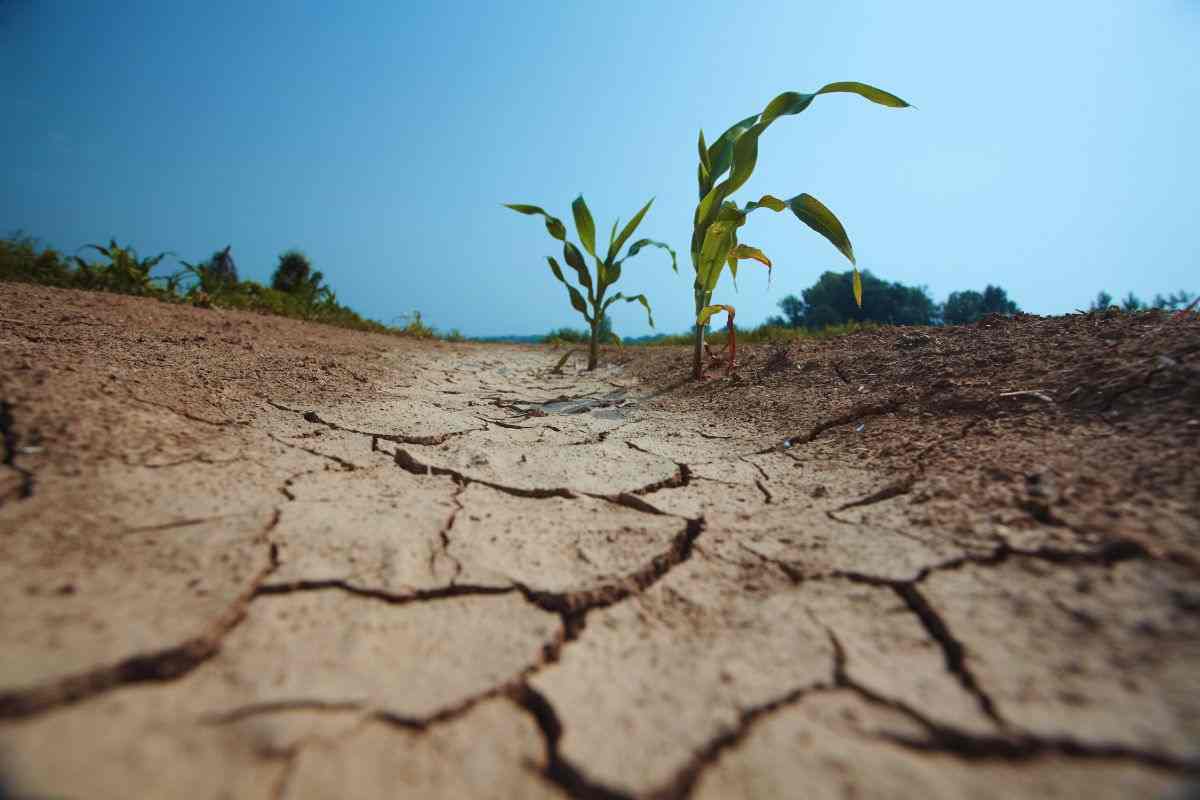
(248, 557)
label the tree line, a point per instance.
(830, 302)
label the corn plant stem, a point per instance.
(597, 319)
(594, 348)
(698, 344)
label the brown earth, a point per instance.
(243, 556)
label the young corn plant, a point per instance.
(608, 269)
(715, 242)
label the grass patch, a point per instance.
(120, 270)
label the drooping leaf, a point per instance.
(746, 251)
(576, 298)
(575, 261)
(640, 243)
(584, 225)
(857, 287)
(872, 93)
(737, 149)
(638, 298)
(794, 102)
(766, 201)
(553, 224)
(706, 313)
(627, 231)
(815, 215)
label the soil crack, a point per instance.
(162, 665)
(398, 438)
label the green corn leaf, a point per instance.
(815, 215)
(637, 298)
(640, 243)
(875, 95)
(575, 261)
(627, 231)
(745, 157)
(720, 154)
(794, 102)
(556, 269)
(612, 236)
(706, 313)
(553, 224)
(718, 241)
(703, 172)
(857, 287)
(737, 149)
(766, 201)
(576, 298)
(584, 225)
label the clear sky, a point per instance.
(1054, 150)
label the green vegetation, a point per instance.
(1175, 301)
(717, 220)
(831, 301)
(963, 308)
(608, 269)
(827, 302)
(769, 331)
(577, 336)
(214, 283)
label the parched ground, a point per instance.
(243, 556)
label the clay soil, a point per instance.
(243, 556)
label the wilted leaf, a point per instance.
(706, 313)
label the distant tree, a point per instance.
(1103, 300)
(223, 267)
(295, 276)
(215, 275)
(1174, 301)
(793, 312)
(830, 301)
(1132, 303)
(964, 308)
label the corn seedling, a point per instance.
(717, 219)
(608, 269)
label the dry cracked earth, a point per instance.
(250, 558)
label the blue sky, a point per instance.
(1053, 151)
